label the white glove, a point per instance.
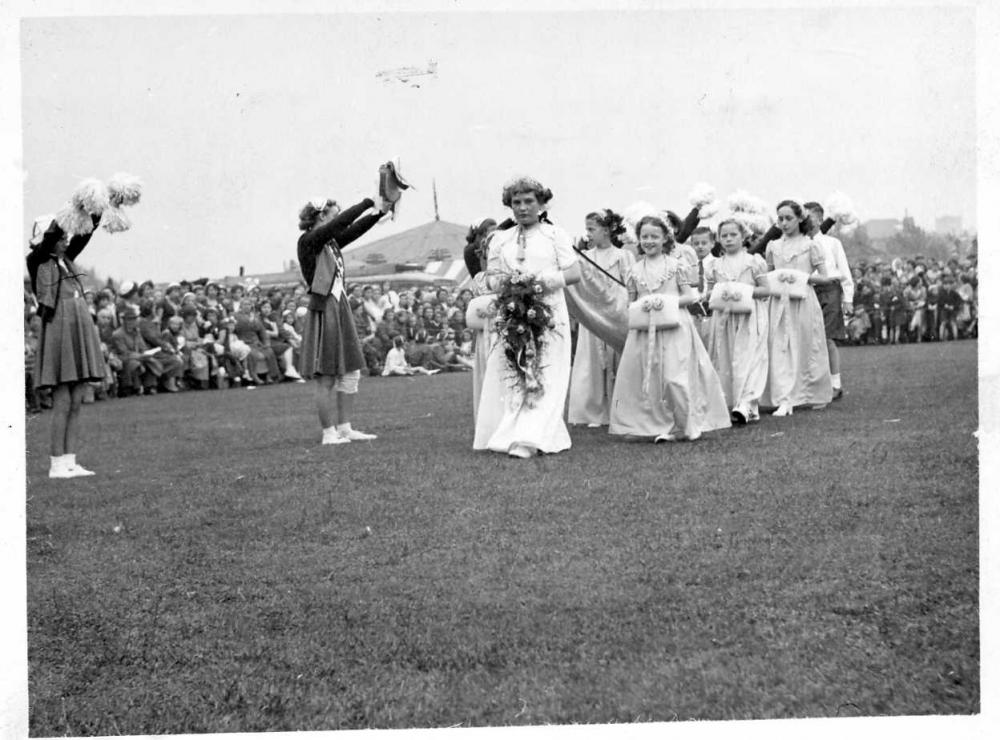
(552, 280)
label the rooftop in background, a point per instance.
(433, 241)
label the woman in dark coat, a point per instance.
(331, 351)
(69, 348)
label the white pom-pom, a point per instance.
(740, 202)
(709, 209)
(702, 194)
(124, 189)
(637, 211)
(74, 221)
(90, 196)
(757, 205)
(301, 311)
(848, 228)
(759, 223)
(115, 220)
(840, 207)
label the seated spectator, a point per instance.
(170, 304)
(370, 303)
(141, 370)
(261, 365)
(235, 353)
(172, 366)
(418, 353)
(396, 364)
(429, 322)
(200, 365)
(444, 355)
(293, 338)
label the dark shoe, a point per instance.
(738, 416)
(837, 393)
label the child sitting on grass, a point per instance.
(396, 364)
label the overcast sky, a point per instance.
(233, 122)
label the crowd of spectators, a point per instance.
(202, 335)
(914, 300)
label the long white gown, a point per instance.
(592, 381)
(503, 420)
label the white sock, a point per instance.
(344, 428)
(835, 377)
(57, 462)
(330, 432)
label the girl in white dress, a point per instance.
(507, 420)
(799, 364)
(595, 363)
(737, 342)
(666, 388)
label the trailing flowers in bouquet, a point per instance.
(524, 321)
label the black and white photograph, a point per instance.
(549, 367)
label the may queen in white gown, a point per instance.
(512, 418)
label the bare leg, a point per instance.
(326, 401)
(73, 418)
(60, 415)
(831, 347)
(345, 408)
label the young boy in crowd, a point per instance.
(702, 241)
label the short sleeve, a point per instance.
(686, 274)
(816, 257)
(758, 266)
(565, 256)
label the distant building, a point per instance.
(948, 225)
(879, 229)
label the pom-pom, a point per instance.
(740, 202)
(90, 196)
(702, 194)
(637, 211)
(759, 223)
(848, 228)
(74, 220)
(709, 209)
(115, 220)
(124, 189)
(840, 207)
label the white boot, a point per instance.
(77, 470)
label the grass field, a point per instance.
(216, 575)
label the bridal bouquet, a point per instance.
(523, 322)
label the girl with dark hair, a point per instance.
(737, 339)
(799, 364)
(331, 351)
(595, 363)
(69, 354)
(482, 342)
(515, 416)
(474, 253)
(666, 388)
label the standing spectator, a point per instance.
(916, 299)
(950, 303)
(965, 314)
